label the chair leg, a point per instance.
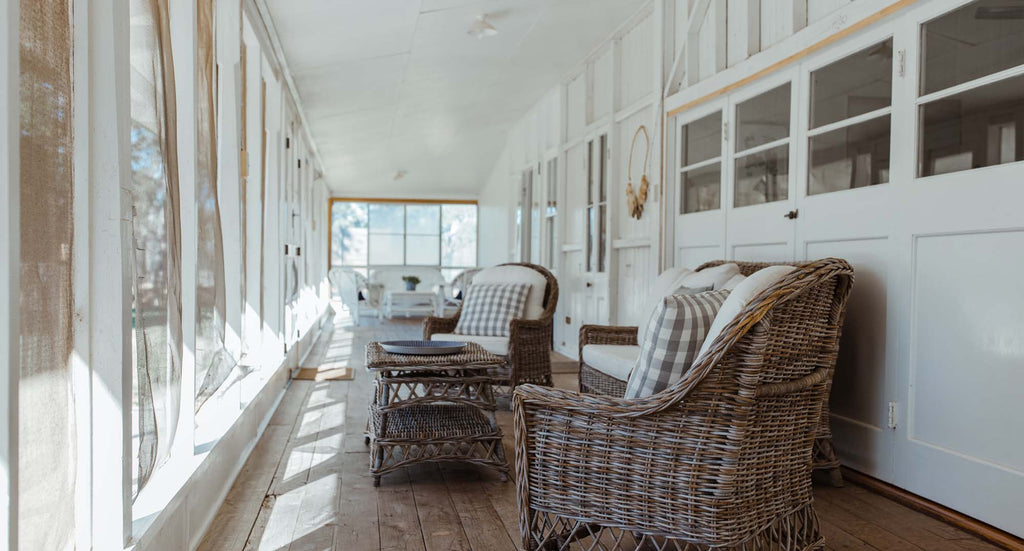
(826, 461)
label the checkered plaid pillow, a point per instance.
(674, 336)
(489, 308)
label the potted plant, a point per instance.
(410, 282)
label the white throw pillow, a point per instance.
(714, 277)
(665, 285)
(519, 274)
(739, 298)
(733, 282)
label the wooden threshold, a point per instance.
(974, 526)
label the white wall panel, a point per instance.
(860, 391)
(967, 347)
(637, 62)
(635, 277)
(601, 71)
(692, 257)
(817, 9)
(576, 107)
(575, 193)
(627, 226)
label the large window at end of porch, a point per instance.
(368, 234)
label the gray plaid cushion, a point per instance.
(674, 336)
(489, 308)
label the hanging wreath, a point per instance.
(635, 199)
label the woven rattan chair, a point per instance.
(721, 460)
(529, 350)
(593, 381)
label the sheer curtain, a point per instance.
(47, 454)
(214, 362)
(156, 228)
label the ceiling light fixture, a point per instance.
(482, 27)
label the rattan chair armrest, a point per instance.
(526, 325)
(539, 397)
(433, 325)
(608, 334)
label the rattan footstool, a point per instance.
(433, 408)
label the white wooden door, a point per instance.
(596, 258)
(959, 435)
(760, 199)
(844, 196)
(699, 212)
(571, 263)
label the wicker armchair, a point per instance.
(721, 460)
(593, 381)
(529, 351)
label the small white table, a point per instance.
(411, 303)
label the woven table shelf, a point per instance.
(433, 408)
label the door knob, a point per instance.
(792, 214)
(590, 284)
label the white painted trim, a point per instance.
(184, 39)
(282, 61)
(81, 275)
(10, 262)
(824, 129)
(108, 237)
(631, 243)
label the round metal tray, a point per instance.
(423, 348)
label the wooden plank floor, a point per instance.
(306, 485)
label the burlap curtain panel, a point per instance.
(47, 425)
(214, 363)
(156, 228)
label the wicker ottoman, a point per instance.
(433, 408)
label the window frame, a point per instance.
(405, 203)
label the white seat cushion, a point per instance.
(519, 274)
(739, 298)
(494, 345)
(613, 360)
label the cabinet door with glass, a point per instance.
(759, 200)
(699, 218)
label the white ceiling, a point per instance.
(391, 85)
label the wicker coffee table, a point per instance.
(433, 408)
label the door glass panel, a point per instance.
(701, 189)
(850, 157)
(601, 244)
(857, 84)
(551, 212)
(977, 128)
(763, 119)
(701, 139)
(591, 231)
(602, 170)
(762, 177)
(978, 39)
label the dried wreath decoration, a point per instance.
(635, 200)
